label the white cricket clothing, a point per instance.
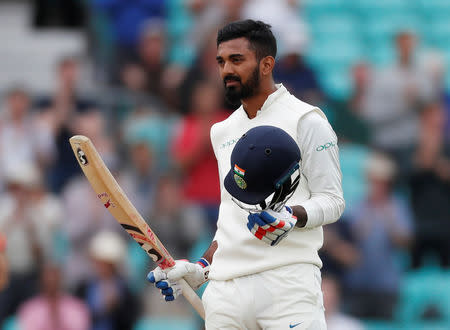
(239, 253)
(281, 298)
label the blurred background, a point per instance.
(139, 78)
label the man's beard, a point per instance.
(234, 94)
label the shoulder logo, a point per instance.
(326, 146)
(82, 157)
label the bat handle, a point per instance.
(193, 298)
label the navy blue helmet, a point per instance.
(263, 163)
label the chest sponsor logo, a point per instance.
(228, 144)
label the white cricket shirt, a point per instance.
(240, 253)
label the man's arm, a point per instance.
(302, 217)
(209, 253)
(320, 166)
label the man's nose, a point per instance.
(227, 69)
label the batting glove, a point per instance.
(271, 226)
(194, 274)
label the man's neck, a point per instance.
(254, 103)
(405, 62)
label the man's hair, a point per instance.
(258, 34)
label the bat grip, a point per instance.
(192, 297)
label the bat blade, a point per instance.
(117, 203)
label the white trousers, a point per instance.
(288, 297)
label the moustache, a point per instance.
(231, 78)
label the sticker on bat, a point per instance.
(108, 202)
(82, 157)
(156, 257)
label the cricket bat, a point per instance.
(114, 199)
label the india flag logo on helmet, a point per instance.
(238, 177)
(239, 171)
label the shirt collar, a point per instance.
(281, 90)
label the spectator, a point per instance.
(132, 94)
(349, 122)
(295, 73)
(139, 179)
(107, 294)
(171, 211)
(209, 16)
(53, 309)
(336, 320)
(283, 15)
(193, 152)
(152, 55)
(433, 63)
(127, 18)
(4, 269)
(204, 67)
(22, 139)
(381, 225)
(338, 253)
(430, 188)
(61, 111)
(393, 101)
(30, 218)
(156, 129)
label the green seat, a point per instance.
(422, 290)
(155, 323)
(10, 323)
(381, 7)
(381, 325)
(334, 53)
(353, 160)
(433, 7)
(314, 7)
(334, 25)
(438, 30)
(336, 83)
(381, 54)
(385, 325)
(384, 28)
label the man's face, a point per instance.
(239, 69)
(18, 104)
(406, 44)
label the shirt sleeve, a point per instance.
(320, 167)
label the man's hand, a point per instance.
(270, 226)
(194, 274)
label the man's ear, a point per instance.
(266, 65)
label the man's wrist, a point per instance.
(208, 255)
(302, 217)
(203, 262)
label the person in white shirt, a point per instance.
(254, 285)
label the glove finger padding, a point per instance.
(156, 275)
(170, 291)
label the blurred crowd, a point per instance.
(70, 264)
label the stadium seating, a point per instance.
(425, 294)
(166, 324)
